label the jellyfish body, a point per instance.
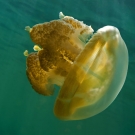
(96, 77)
(90, 72)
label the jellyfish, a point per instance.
(90, 68)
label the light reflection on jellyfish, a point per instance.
(89, 68)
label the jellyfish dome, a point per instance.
(89, 68)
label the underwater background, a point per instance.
(22, 110)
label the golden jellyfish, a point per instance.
(90, 69)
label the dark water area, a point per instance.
(22, 110)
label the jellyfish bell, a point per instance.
(97, 76)
(90, 72)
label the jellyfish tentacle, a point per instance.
(61, 15)
(27, 28)
(36, 48)
(25, 53)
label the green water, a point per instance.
(22, 110)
